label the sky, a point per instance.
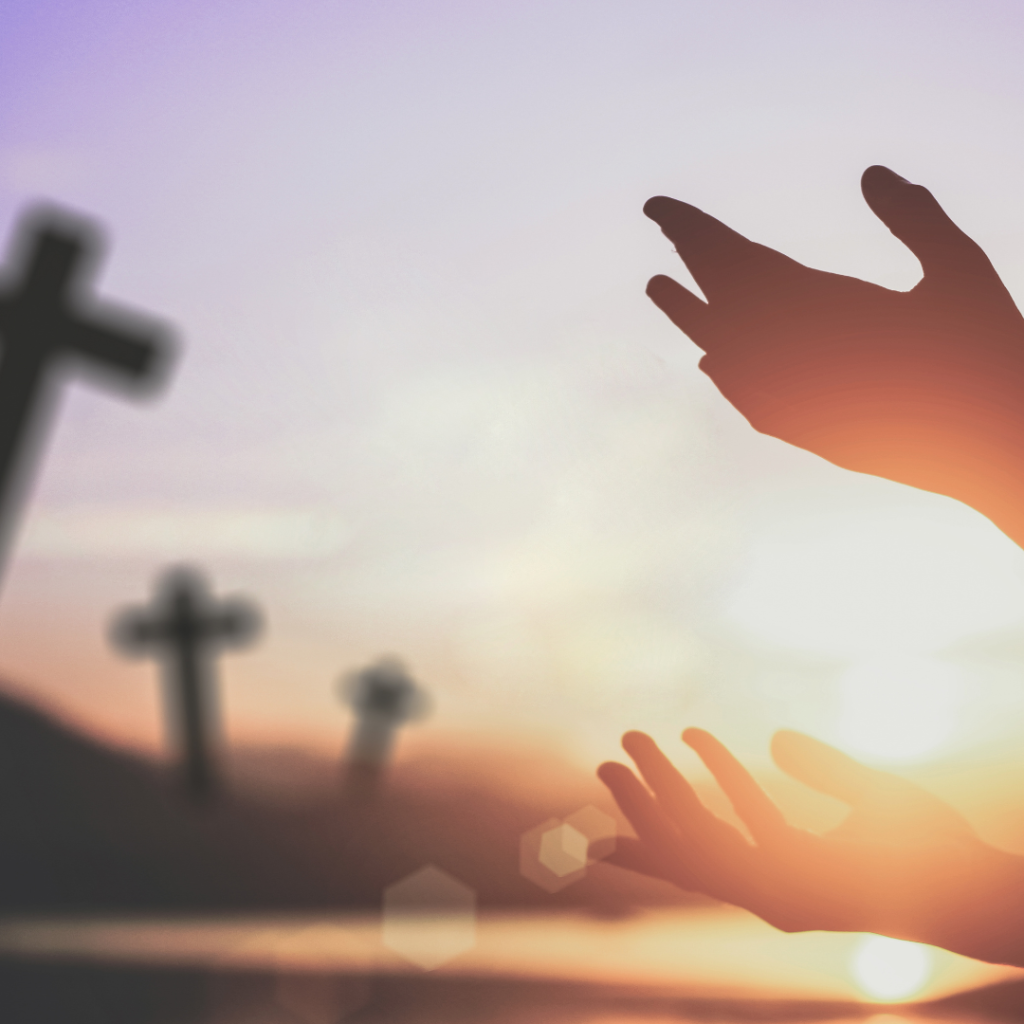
(421, 404)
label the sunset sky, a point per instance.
(422, 405)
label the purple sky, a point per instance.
(424, 405)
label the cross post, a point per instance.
(383, 697)
(185, 629)
(46, 322)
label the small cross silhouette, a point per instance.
(44, 319)
(185, 629)
(383, 697)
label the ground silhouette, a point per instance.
(87, 828)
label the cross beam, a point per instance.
(45, 323)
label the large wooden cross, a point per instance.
(46, 321)
(185, 630)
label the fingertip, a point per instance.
(694, 737)
(634, 740)
(659, 285)
(658, 207)
(608, 771)
(780, 742)
(787, 735)
(706, 746)
(878, 183)
(790, 738)
(879, 172)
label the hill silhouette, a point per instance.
(86, 827)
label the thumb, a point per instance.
(824, 768)
(914, 216)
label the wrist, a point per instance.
(982, 467)
(986, 922)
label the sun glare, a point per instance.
(856, 584)
(898, 708)
(886, 969)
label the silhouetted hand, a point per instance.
(924, 387)
(903, 863)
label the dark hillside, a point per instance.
(85, 827)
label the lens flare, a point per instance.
(887, 968)
(899, 708)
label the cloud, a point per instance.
(119, 532)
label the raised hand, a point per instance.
(903, 863)
(924, 387)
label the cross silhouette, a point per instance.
(43, 320)
(185, 629)
(383, 696)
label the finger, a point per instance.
(636, 803)
(703, 856)
(681, 306)
(674, 793)
(824, 768)
(885, 801)
(749, 800)
(914, 216)
(719, 258)
(713, 851)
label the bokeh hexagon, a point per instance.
(563, 850)
(599, 828)
(429, 917)
(538, 870)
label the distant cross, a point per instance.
(185, 629)
(44, 318)
(383, 697)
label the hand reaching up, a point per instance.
(924, 387)
(903, 863)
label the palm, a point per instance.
(903, 863)
(925, 387)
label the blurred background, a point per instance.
(422, 405)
